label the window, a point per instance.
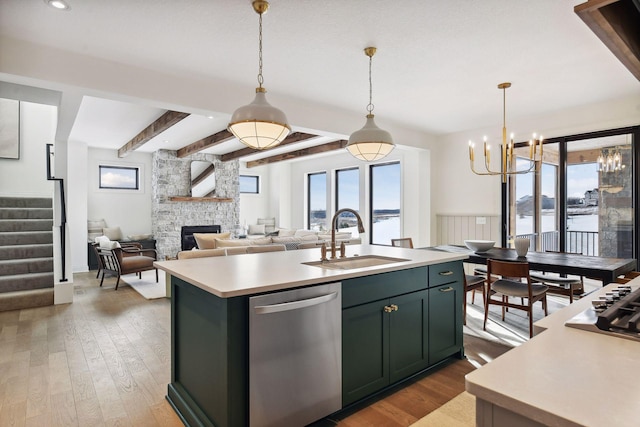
(348, 196)
(572, 203)
(385, 203)
(317, 201)
(119, 178)
(249, 184)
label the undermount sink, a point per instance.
(355, 262)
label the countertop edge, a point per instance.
(313, 277)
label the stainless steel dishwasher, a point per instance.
(295, 356)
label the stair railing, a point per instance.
(63, 210)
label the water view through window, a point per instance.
(385, 203)
(317, 201)
(348, 196)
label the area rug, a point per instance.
(147, 286)
(458, 412)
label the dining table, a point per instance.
(605, 269)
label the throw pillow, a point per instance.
(208, 240)
(302, 233)
(256, 229)
(283, 232)
(113, 233)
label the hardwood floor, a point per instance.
(102, 361)
(105, 361)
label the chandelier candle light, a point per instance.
(259, 125)
(610, 160)
(370, 143)
(507, 160)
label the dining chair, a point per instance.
(513, 281)
(559, 285)
(404, 242)
(471, 284)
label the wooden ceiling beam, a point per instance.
(318, 149)
(204, 143)
(243, 152)
(163, 123)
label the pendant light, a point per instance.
(370, 143)
(259, 125)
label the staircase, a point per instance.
(26, 253)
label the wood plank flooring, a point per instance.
(105, 361)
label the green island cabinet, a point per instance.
(397, 324)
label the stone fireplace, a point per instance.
(171, 177)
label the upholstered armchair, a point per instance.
(126, 260)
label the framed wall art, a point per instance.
(9, 129)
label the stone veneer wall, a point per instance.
(171, 176)
(615, 218)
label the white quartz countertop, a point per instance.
(566, 376)
(237, 275)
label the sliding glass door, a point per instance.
(580, 198)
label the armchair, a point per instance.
(127, 260)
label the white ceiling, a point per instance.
(436, 70)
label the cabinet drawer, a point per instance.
(448, 272)
(361, 290)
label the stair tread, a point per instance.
(21, 260)
(17, 276)
(26, 232)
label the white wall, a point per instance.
(27, 176)
(254, 206)
(76, 193)
(129, 210)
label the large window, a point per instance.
(317, 201)
(119, 178)
(385, 203)
(581, 197)
(348, 196)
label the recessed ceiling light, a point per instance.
(58, 4)
(209, 117)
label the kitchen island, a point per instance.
(399, 318)
(564, 376)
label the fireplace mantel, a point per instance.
(200, 199)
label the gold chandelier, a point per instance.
(259, 125)
(508, 166)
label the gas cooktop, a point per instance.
(616, 313)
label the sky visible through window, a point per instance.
(348, 188)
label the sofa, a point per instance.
(291, 239)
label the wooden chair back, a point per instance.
(404, 242)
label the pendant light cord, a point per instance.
(370, 106)
(260, 78)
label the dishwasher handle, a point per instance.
(294, 305)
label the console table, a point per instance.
(93, 261)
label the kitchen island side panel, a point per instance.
(209, 383)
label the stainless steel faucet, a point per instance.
(334, 226)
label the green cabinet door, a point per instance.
(365, 350)
(445, 321)
(408, 335)
(383, 342)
